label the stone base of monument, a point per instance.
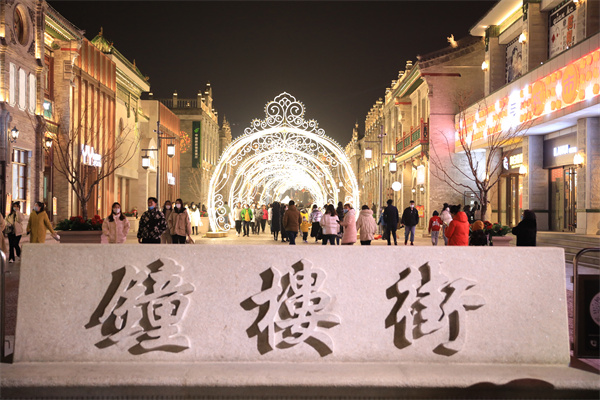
(216, 234)
(130, 321)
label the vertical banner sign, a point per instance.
(196, 144)
(562, 32)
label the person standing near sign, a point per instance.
(410, 219)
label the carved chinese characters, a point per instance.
(428, 302)
(143, 311)
(293, 310)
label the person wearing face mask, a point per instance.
(166, 238)
(15, 231)
(349, 225)
(179, 224)
(446, 218)
(38, 223)
(410, 219)
(390, 217)
(116, 226)
(152, 223)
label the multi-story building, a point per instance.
(130, 178)
(542, 61)
(354, 150)
(199, 121)
(373, 165)
(21, 125)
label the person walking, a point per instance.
(265, 217)
(304, 227)
(340, 213)
(291, 222)
(526, 230)
(446, 218)
(470, 214)
(284, 237)
(38, 223)
(365, 223)
(330, 225)
(179, 224)
(435, 224)
(152, 223)
(166, 238)
(237, 214)
(115, 227)
(270, 216)
(247, 218)
(14, 225)
(349, 225)
(227, 213)
(195, 219)
(275, 220)
(315, 218)
(391, 219)
(410, 220)
(258, 214)
(458, 229)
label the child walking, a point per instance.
(435, 224)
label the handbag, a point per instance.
(10, 229)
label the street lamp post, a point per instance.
(393, 165)
(170, 153)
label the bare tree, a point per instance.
(76, 160)
(478, 167)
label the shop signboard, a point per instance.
(562, 32)
(576, 82)
(420, 175)
(421, 210)
(512, 161)
(196, 143)
(560, 151)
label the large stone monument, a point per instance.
(155, 320)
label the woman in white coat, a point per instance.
(195, 219)
(330, 224)
(116, 226)
(365, 223)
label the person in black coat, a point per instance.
(391, 217)
(340, 213)
(275, 219)
(282, 210)
(410, 219)
(526, 231)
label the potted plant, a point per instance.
(497, 233)
(80, 230)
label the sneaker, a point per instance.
(10, 261)
(306, 241)
(412, 244)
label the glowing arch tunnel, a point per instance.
(281, 152)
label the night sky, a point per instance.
(336, 57)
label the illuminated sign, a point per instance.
(89, 156)
(170, 179)
(564, 149)
(516, 160)
(574, 83)
(420, 175)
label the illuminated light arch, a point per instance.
(283, 151)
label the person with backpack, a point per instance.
(435, 224)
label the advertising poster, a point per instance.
(562, 32)
(514, 60)
(196, 143)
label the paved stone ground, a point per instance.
(12, 278)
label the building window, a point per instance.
(22, 89)
(12, 91)
(19, 176)
(32, 92)
(20, 26)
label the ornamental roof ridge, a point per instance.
(57, 17)
(462, 44)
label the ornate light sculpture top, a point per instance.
(284, 111)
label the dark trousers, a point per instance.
(393, 233)
(292, 237)
(330, 239)
(13, 242)
(263, 223)
(365, 242)
(238, 226)
(178, 239)
(150, 241)
(253, 226)
(246, 228)
(304, 236)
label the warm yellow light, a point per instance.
(578, 159)
(484, 66)
(522, 38)
(523, 170)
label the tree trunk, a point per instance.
(84, 212)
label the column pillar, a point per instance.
(535, 27)
(535, 182)
(588, 177)
(495, 56)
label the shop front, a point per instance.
(510, 190)
(558, 159)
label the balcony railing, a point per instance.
(418, 135)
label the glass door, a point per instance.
(563, 199)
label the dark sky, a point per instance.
(336, 57)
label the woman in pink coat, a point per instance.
(349, 224)
(115, 226)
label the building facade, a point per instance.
(199, 121)
(541, 68)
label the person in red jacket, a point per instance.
(435, 224)
(458, 230)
